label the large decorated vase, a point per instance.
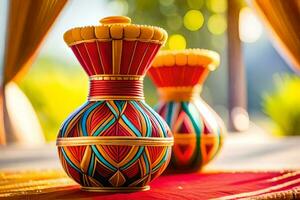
(198, 131)
(115, 142)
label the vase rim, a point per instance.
(187, 58)
(115, 28)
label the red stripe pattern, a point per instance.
(128, 88)
(96, 57)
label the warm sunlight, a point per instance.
(159, 99)
(250, 27)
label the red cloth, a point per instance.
(197, 186)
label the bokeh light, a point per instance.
(166, 2)
(193, 20)
(169, 10)
(195, 4)
(174, 22)
(240, 118)
(217, 24)
(217, 6)
(250, 29)
(119, 7)
(176, 42)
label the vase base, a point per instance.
(115, 189)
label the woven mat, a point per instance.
(54, 184)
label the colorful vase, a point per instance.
(198, 131)
(115, 142)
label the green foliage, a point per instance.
(283, 104)
(55, 90)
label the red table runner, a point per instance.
(210, 185)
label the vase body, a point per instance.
(198, 131)
(115, 142)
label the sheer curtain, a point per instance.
(27, 25)
(283, 20)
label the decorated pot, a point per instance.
(198, 131)
(115, 142)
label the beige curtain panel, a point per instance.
(27, 25)
(283, 19)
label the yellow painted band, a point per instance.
(183, 138)
(115, 140)
(126, 98)
(116, 77)
(115, 189)
(179, 93)
(109, 39)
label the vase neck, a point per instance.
(116, 87)
(179, 94)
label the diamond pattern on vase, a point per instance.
(117, 179)
(198, 130)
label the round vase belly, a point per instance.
(114, 145)
(198, 131)
(115, 142)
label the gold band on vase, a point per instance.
(179, 93)
(125, 98)
(110, 39)
(115, 140)
(183, 138)
(116, 77)
(115, 189)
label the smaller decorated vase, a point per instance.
(115, 142)
(198, 131)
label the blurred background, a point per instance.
(56, 85)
